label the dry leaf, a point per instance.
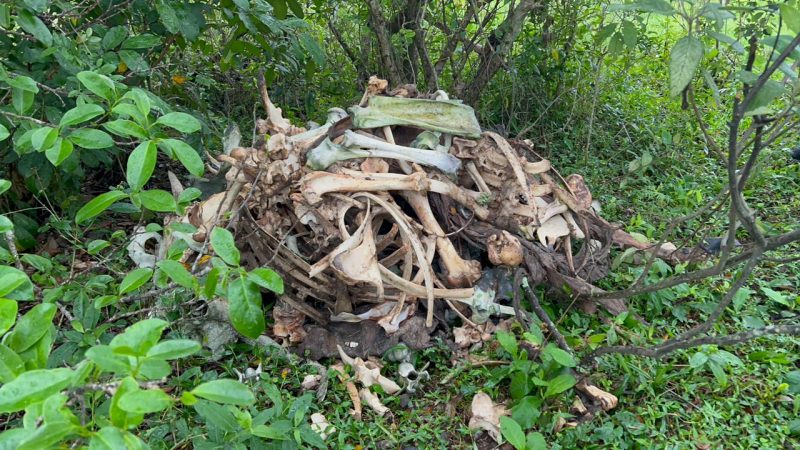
(310, 382)
(486, 415)
(288, 323)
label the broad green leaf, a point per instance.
(724, 38)
(559, 384)
(31, 387)
(279, 8)
(3, 133)
(6, 224)
(145, 401)
(519, 386)
(776, 296)
(296, 8)
(48, 435)
(108, 361)
(793, 380)
(512, 432)
(794, 427)
(96, 246)
(560, 356)
(224, 245)
(60, 151)
(684, 58)
(188, 399)
(36, 357)
(44, 138)
(11, 365)
(108, 438)
(135, 279)
(31, 327)
(629, 33)
(279, 430)
(651, 6)
(39, 263)
(174, 349)
(105, 300)
(119, 417)
(769, 92)
(267, 279)
(12, 279)
(141, 100)
(80, 114)
(34, 26)
(182, 122)
(244, 310)
(141, 163)
(177, 273)
(719, 373)
(5, 22)
(142, 41)
(508, 342)
(114, 37)
(154, 369)
(126, 128)
(527, 410)
(100, 85)
(8, 314)
(97, 205)
(186, 155)
(216, 417)
(4, 185)
(535, 441)
(189, 195)
(24, 83)
(791, 17)
(158, 200)
(138, 338)
(168, 17)
(230, 392)
(129, 110)
(15, 284)
(21, 100)
(91, 139)
(212, 279)
(698, 360)
(37, 5)
(133, 60)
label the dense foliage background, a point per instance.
(98, 99)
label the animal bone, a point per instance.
(316, 184)
(458, 272)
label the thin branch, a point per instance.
(17, 116)
(731, 339)
(12, 248)
(540, 312)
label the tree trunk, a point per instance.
(431, 81)
(497, 49)
(388, 60)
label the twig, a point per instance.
(12, 248)
(540, 312)
(17, 116)
(731, 339)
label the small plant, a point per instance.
(536, 375)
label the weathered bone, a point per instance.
(458, 272)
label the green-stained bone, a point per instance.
(445, 116)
